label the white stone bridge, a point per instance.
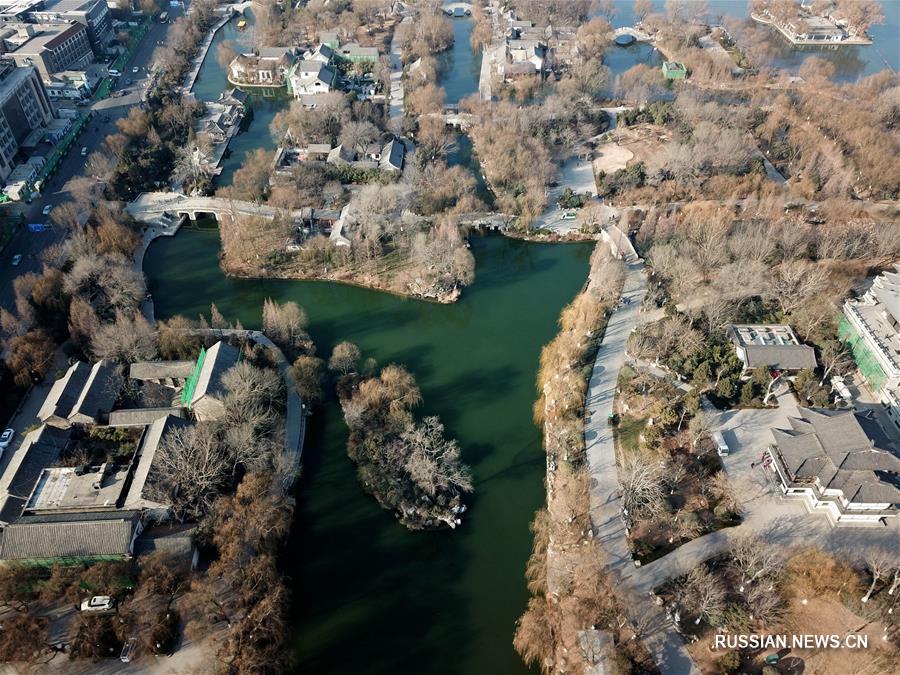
(161, 208)
(153, 206)
(455, 8)
(636, 33)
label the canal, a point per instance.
(371, 597)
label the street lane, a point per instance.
(57, 188)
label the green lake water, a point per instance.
(371, 597)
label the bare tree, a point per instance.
(307, 373)
(344, 358)
(796, 281)
(754, 559)
(642, 487)
(879, 565)
(190, 469)
(285, 324)
(433, 461)
(703, 593)
(127, 339)
(766, 603)
(835, 358)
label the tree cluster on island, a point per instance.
(410, 467)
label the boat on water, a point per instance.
(241, 24)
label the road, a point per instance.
(57, 189)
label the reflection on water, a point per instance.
(850, 62)
(370, 597)
(459, 66)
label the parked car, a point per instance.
(6, 438)
(84, 152)
(98, 603)
(16, 259)
(569, 215)
(135, 70)
(47, 209)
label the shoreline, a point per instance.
(849, 41)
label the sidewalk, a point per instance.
(658, 636)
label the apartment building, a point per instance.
(51, 48)
(24, 107)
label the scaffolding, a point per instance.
(188, 392)
(865, 360)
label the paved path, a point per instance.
(660, 639)
(395, 109)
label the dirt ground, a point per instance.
(818, 617)
(629, 144)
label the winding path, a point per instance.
(661, 640)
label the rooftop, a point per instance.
(839, 450)
(45, 35)
(771, 346)
(83, 393)
(70, 535)
(63, 488)
(40, 448)
(218, 360)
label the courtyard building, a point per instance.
(770, 346)
(840, 462)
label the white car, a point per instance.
(84, 152)
(47, 209)
(99, 603)
(6, 438)
(16, 259)
(135, 70)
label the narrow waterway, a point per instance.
(371, 597)
(459, 66)
(213, 80)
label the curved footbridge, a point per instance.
(155, 207)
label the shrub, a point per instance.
(730, 662)
(609, 185)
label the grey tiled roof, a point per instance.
(40, 448)
(219, 359)
(392, 155)
(69, 535)
(161, 370)
(65, 392)
(177, 540)
(781, 357)
(84, 391)
(139, 417)
(834, 448)
(149, 445)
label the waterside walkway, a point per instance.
(658, 636)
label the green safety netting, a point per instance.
(865, 360)
(188, 392)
